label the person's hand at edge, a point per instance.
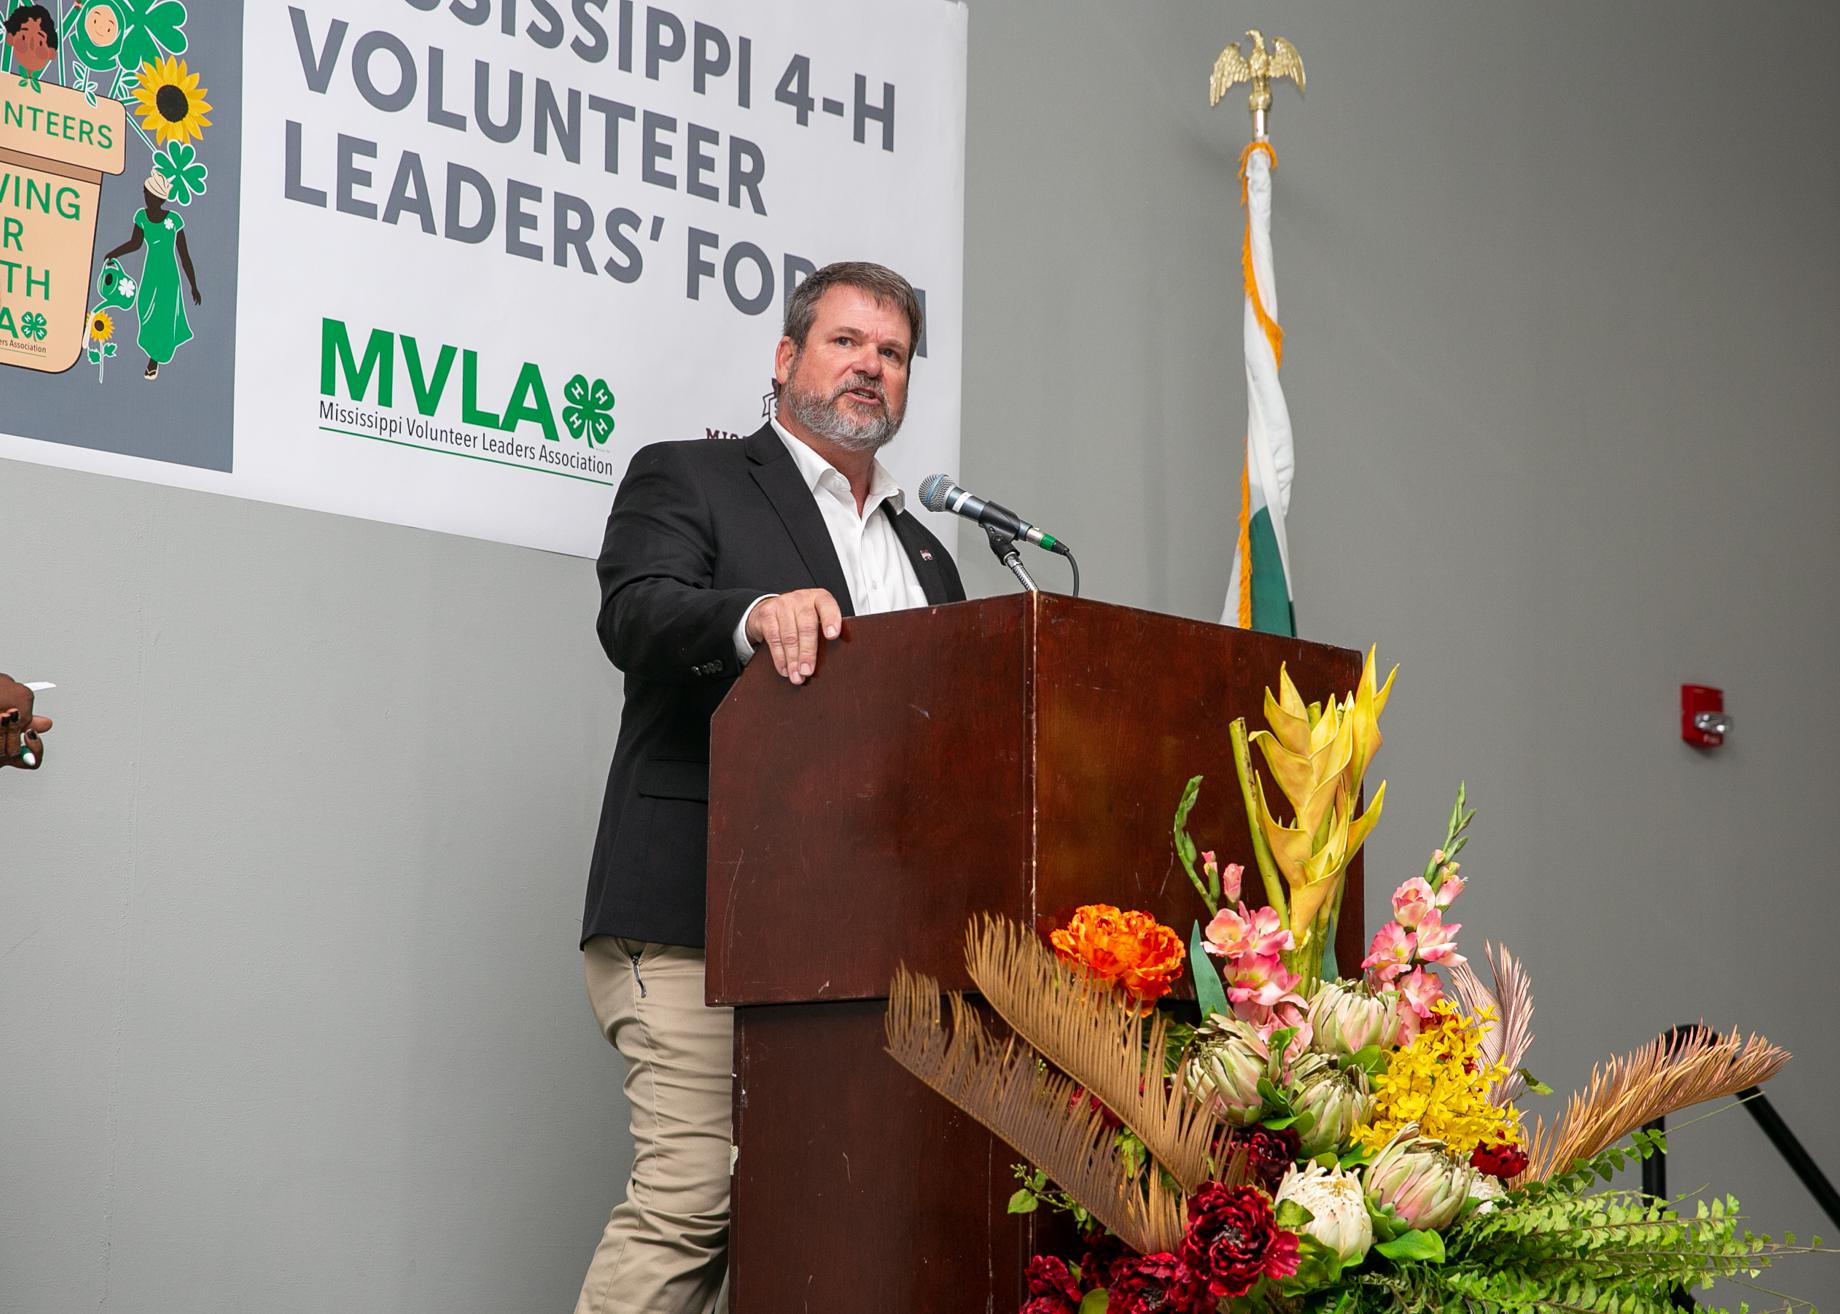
(787, 625)
(18, 726)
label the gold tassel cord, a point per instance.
(1036, 1112)
(1085, 1029)
(1245, 539)
(1666, 1075)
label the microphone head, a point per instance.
(934, 490)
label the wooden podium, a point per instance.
(1020, 755)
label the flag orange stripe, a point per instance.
(1245, 541)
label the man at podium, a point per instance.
(716, 551)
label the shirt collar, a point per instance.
(813, 468)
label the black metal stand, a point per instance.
(1800, 1162)
(1654, 1184)
(1004, 546)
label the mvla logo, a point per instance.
(390, 366)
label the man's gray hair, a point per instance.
(878, 281)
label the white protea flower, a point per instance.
(1486, 1191)
(1223, 1066)
(1337, 1205)
(1337, 1101)
(1346, 1016)
(1425, 1185)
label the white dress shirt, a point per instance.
(875, 566)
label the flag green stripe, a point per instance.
(1271, 594)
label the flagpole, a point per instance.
(1259, 596)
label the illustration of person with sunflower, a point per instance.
(31, 34)
(164, 327)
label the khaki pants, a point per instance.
(665, 1250)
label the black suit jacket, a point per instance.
(698, 531)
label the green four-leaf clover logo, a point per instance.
(125, 34)
(180, 166)
(33, 326)
(589, 413)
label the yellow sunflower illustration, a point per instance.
(101, 327)
(172, 104)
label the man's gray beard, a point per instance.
(831, 422)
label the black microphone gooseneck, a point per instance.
(1002, 526)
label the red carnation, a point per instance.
(1156, 1284)
(1233, 1240)
(1052, 1289)
(1506, 1161)
(1105, 1255)
(1270, 1154)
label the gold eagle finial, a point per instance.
(1259, 68)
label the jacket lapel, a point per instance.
(778, 476)
(919, 549)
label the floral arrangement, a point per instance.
(1315, 1141)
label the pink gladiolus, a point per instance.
(1409, 1023)
(1260, 980)
(1269, 934)
(1264, 993)
(1412, 901)
(1247, 934)
(1229, 878)
(1392, 952)
(1437, 943)
(1449, 888)
(1420, 991)
(1226, 935)
(1286, 1014)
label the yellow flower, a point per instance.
(1439, 1082)
(101, 327)
(1317, 753)
(172, 104)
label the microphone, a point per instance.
(939, 493)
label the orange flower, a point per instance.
(1132, 950)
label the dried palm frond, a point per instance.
(1037, 1111)
(1085, 1029)
(1507, 1035)
(1684, 1068)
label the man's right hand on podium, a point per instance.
(787, 625)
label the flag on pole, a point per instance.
(1259, 597)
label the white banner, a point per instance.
(447, 263)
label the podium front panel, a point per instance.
(858, 820)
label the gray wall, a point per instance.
(292, 1017)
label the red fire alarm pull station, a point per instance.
(1703, 722)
